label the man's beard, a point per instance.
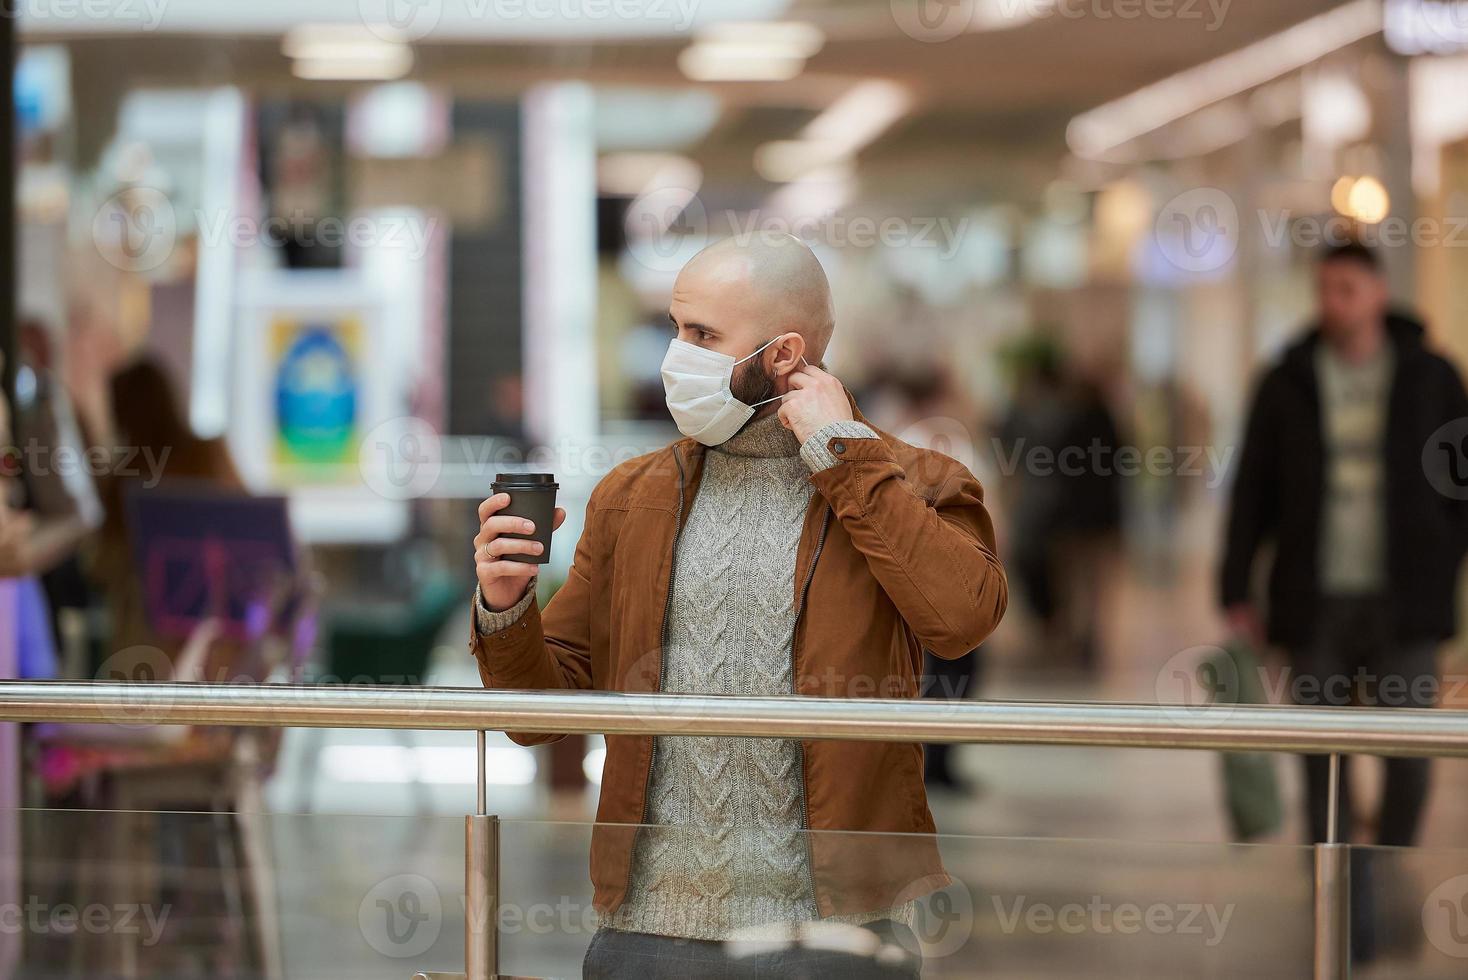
(751, 384)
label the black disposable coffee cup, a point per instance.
(533, 497)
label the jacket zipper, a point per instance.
(662, 659)
(810, 861)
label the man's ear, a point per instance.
(789, 352)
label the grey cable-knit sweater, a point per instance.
(726, 853)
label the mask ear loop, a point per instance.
(761, 348)
(777, 397)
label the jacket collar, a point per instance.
(1405, 333)
(690, 454)
(691, 450)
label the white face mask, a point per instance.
(696, 381)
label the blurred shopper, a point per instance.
(30, 545)
(1366, 557)
(59, 487)
(1064, 495)
(1034, 428)
(1088, 525)
(784, 547)
(147, 424)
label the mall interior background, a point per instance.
(384, 254)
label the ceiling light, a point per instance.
(1368, 201)
(378, 69)
(789, 39)
(781, 161)
(859, 116)
(631, 174)
(345, 52)
(1100, 131)
(716, 63)
(751, 51)
(853, 121)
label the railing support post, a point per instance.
(1333, 891)
(481, 882)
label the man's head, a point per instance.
(1351, 291)
(739, 294)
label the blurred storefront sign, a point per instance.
(1414, 27)
(311, 386)
(465, 183)
(317, 368)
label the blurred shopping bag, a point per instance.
(1250, 782)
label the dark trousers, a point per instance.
(616, 955)
(946, 680)
(1353, 660)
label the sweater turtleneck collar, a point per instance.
(764, 438)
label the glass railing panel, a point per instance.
(1021, 908)
(212, 895)
(94, 893)
(1409, 913)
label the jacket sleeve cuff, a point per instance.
(488, 622)
(817, 451)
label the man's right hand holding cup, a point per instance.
(502, 583)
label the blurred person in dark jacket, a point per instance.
(1061, 440)
(1344, 471)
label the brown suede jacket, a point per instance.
(896, 556)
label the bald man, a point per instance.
(783, 547)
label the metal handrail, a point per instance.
(1369, 731)
(1325, 731)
